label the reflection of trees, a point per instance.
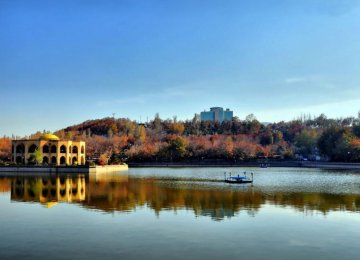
(125, 194)
(139, 192)
(208, 202)
(4, 185)
(323, 202)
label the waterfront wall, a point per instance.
(108, 168)
(11, 170)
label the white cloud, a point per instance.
(295, 80)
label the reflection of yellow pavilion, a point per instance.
(49, 190)
(54, 150)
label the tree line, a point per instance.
(112, 140)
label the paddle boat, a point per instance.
(238, 178)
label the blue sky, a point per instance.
(64, 62)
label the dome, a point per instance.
(49, 137)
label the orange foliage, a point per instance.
(5, 148)
(355, 142)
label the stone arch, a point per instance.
(19, 159)
(53, 159)
(63, 149)
(31, 193)
(32, 148)
(62, 192)
(74, 160)
(20, 148)
(45, 192)
(45, 149)
(75, 149)
(62, 160)
(45, 160)
(53, 149)
(82, 160)
(82, 149)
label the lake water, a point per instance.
(182, 213)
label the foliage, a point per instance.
(5, 149)
(337, 142)
(36, 157)
(121, 139)
(306, 141)
(103, 159)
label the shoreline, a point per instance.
(282, 164)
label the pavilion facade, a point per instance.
(53, 151)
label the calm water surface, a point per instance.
(182, 213)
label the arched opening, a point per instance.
(31, 193)
(62, 192)
(62, 160)
(20, 148)
(74, 160)
(19, 160)
(45, 160)
(63, 149)
(32, 148)
(62, 180)
(75, 149)
(74, 191)
(45, 149)
(82, 149)
(82, 160)
(53, 160)
(53, 148)
(45, 192)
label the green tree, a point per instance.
(140, 133)
(335, 142)
(37, 157)
(110, 133)
(177, 148)
(306, 141)
(157, 124)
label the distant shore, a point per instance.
(303, 164)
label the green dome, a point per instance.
(49, 137)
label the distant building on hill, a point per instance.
(217, 114)
(53, 151)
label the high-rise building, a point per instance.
(216, 114)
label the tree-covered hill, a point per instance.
(121, 139)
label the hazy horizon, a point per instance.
(62, 63)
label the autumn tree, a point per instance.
(5, 148)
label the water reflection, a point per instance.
(49, 190)
(125, 193)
